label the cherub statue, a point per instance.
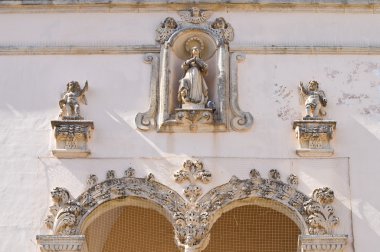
(69, 103)
(315, 99)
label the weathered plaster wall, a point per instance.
(119, 89)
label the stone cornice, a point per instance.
(343, 6)
(47, 49)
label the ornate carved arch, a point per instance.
(193, 218)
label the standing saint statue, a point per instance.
(193, 91)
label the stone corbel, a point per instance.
(62, 243)
(322, 243)
(314, 137)
(71, 138)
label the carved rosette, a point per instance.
(314, 137)
(193, 219)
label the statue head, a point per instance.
(195, 12)
(313, 85)
(219, 23)
(195, 52)
(73, 86)
(169, 23)
(194, 46)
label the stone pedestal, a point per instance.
(71, 138)
(62, 243)
(191, 120)
(314, 137)
(322, 243)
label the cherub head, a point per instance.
(195, 12)
(169, 23)
(73, 86)
(313, 85)
(219, 23)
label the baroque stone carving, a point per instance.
(192, 220)
(69, 103)
(71, 131)
(315, 100)
(313, 132)
(321, 218)
(193, 172)
(195, 15)
(202, 103)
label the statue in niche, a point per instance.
(315, 99)
(69, 103)
(193, 91)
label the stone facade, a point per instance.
(196, 160)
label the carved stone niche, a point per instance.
(313, 131)
(194, 79)
(71, 131)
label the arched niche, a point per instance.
(217, 108)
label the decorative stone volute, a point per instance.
(72, 132)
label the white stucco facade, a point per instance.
(42, 48)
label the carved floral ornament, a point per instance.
(203, 100)
(192, 218)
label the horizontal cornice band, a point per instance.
(338, 6)
(140, 49)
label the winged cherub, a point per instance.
(315, 99)
(69, 103)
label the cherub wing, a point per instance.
(82, 96)
(322, 98)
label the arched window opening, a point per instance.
(129, 229)
(255, 229)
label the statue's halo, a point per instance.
(194, 42)
(183, 44)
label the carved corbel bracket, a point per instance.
(321, 243)
(71, 138)
(314, 137)
(61, 243)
